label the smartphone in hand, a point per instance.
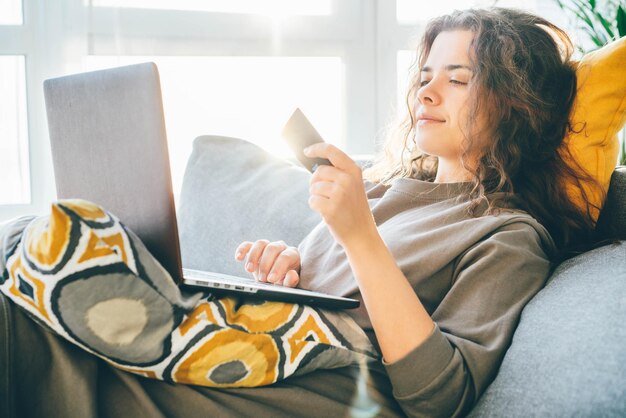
(299, 134)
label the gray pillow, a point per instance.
(568, 354)
(233, 191)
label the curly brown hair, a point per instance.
(524, 85)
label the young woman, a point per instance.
(453, 229)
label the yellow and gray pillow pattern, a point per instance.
(82, 274)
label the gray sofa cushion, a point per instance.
(234, 190)
(568, 354)
(612, 220)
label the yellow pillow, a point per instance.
(599, 113)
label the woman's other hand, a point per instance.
(273, 262)
(338, 194)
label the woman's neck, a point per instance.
(451, 172)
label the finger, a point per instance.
(268, 258)
(322, 205)
(242, 250)
(325, 173)
(287, 260)
(337, 157)
(254, 254)
(291, 279)
(322, 189)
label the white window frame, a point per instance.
(27, 40)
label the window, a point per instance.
(10, 12)
(15, 186)
(244, 97)
(265, 7)
(228, 67)
(412, 12)
(14, 158)
(405, 59)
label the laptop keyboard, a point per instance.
(212, 275)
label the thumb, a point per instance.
(292, 278)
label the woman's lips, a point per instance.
(427, 121)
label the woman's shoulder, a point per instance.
(524, 228)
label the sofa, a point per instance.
(567, 357)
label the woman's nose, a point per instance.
(428, 94)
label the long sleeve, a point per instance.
(491, 283)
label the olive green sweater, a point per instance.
(472, 274)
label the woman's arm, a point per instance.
(399, 319)
(444, 372)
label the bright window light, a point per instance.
(266, 7)
(411, 11)
(244, 97)
(405, 59)
(11, 12)
(15, 184)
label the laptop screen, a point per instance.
(109, 146)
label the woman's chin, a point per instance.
(427, 145)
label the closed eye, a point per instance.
(457, 82)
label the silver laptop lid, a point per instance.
(109, 146)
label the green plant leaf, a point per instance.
(594, 22)
(606, 25)
(603, 36)
(580, 15)
(593, 36)
(621, 21)
(583, 14)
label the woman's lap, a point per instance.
(331, 393)
(52, 377)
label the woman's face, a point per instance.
(442, 100)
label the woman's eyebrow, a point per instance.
(447, 68)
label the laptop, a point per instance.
(109, 146)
